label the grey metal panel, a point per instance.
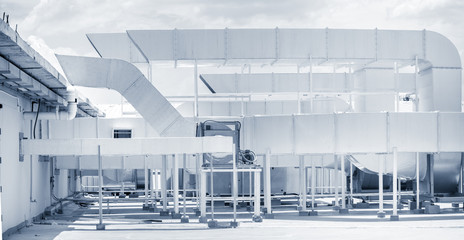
(440, 50)
(314, 133)
(115, 45)
(413, 132)
(450, 131)
(393, 44)
(446, 172)
(361, 132)
(302, 43)
(380, 79)
(406, 163)
(200, 44)
(330, 82)
(346, 44)
(446, 94)
(251, 43)
(278, 140)
(372, 80)
(154, 44)
(424, 90)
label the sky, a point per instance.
(61, 25)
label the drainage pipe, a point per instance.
(69, 114)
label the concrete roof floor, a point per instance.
(129, 221)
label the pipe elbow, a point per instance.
(71, 112)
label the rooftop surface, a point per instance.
(127, 220)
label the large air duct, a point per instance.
(125, 78)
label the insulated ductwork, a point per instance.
(69, 114)
(125, 78)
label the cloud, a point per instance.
(43, 49)
(62, 24)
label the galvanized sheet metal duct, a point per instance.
(132, 84)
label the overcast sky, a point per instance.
(62, 24)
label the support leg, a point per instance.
(257, 215)
(100, 225)
(336, 182)
(145, 173)
(432, 175)
(303, 192)
(234, 186)
(202, 218)
(461, 175)
(267, 185)
(313, 188)
(381, 213)
(184, 218)
(164, 192)
(175, 184)
(351, 185)
(343, 210)
(418, 205)
(394, 216)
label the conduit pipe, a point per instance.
(69, 114)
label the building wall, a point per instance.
(25, 184)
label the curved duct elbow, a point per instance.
(127, 79)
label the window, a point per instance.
(122, 133)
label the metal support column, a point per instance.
(267, 182)
(351, 183)
(311, 96)
(313, 187)
(152, 178)
(175, 184)
(432, 175)
(302, 180)
(343, 182)
(198, 179)
(202, 218)
(336, 182)
(397, 96)
(461, 174)
(234, 185)
(184, 218)
(257, 202)
(399, 191)
(418, 206)
(100, 225)
(195, 89)
(394, 216)
(145, 172)
(211, 185)
(381, 213)
(164, 192)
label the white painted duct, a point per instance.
(131, 83)
(69, 114)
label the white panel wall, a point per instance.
(361, 132)
(349, 44)
(446, 94)
(19, 184)
(425, 90)
(451, 131)
(302, 43)
(414, 132)
(310, 126)
(355, 133)
(399, 44)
